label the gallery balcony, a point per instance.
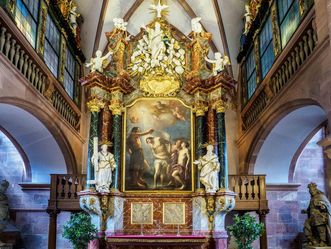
(290, 63)
(17, 54)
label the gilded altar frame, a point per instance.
(124, 147)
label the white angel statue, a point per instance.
(96, 63)
(196, 25)
(120, 24)
(219, 62)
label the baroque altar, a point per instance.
(157, 163)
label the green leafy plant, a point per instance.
(79, 230)
(245, 230)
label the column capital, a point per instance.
(221, 106)
(200, 108)
(95, 104)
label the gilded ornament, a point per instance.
(95, 104)
(275, 29)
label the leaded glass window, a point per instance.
(250, 74)
(289, 18)
(52, 46)
(266, 47)
(69, 74)
(26, 17)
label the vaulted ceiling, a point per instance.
(222, 18)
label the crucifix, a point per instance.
(159, 8)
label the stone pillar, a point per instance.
(264, 238)
(116, 109)
(52, 231)
(94, 106)
(221, 148)
(105, 123)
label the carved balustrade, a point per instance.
(19, 52)
(291, 59)
(63, 192)
(251, 192)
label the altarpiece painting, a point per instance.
(158, 148)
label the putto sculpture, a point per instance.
(96, 64)
(219, 62)
(209, 167)
(317, 227)
(104, 164)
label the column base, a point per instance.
(221, 240)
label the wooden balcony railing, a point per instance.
(64, 189)
(250, 189)
(251, 192)
(20, 53)
(292, 58)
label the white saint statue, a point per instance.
(159, 8)
(209, 167)
(196, 25)
(156, 44)
(104, 164)
(219, 62)
(96, 63)
(248, 19)
(120, 24)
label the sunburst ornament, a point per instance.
(159, 8)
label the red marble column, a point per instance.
(105, 123)
(211, 126)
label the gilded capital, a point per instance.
(95, 104)
(221, 106)
(200, 109)
(116, 107)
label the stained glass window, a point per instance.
(250, 74)
(69, 74)
(266, 47)
(52, 46)
(26, 17)
(289, 18)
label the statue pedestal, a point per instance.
(105, 209)
(224, 203)
(199, 215)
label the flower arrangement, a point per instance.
(156, 53)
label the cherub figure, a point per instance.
(96, 63)
(219, 62)
(196, 25)
(120, 24)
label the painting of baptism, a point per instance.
(158, 147)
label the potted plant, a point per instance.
(79, 230)
(245, 230)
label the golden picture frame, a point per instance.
(130, 182)
(141, 213)
(174, 213)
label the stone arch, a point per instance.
(306, 111)
(45, 121)
(27, 173)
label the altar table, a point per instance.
(158, 241)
